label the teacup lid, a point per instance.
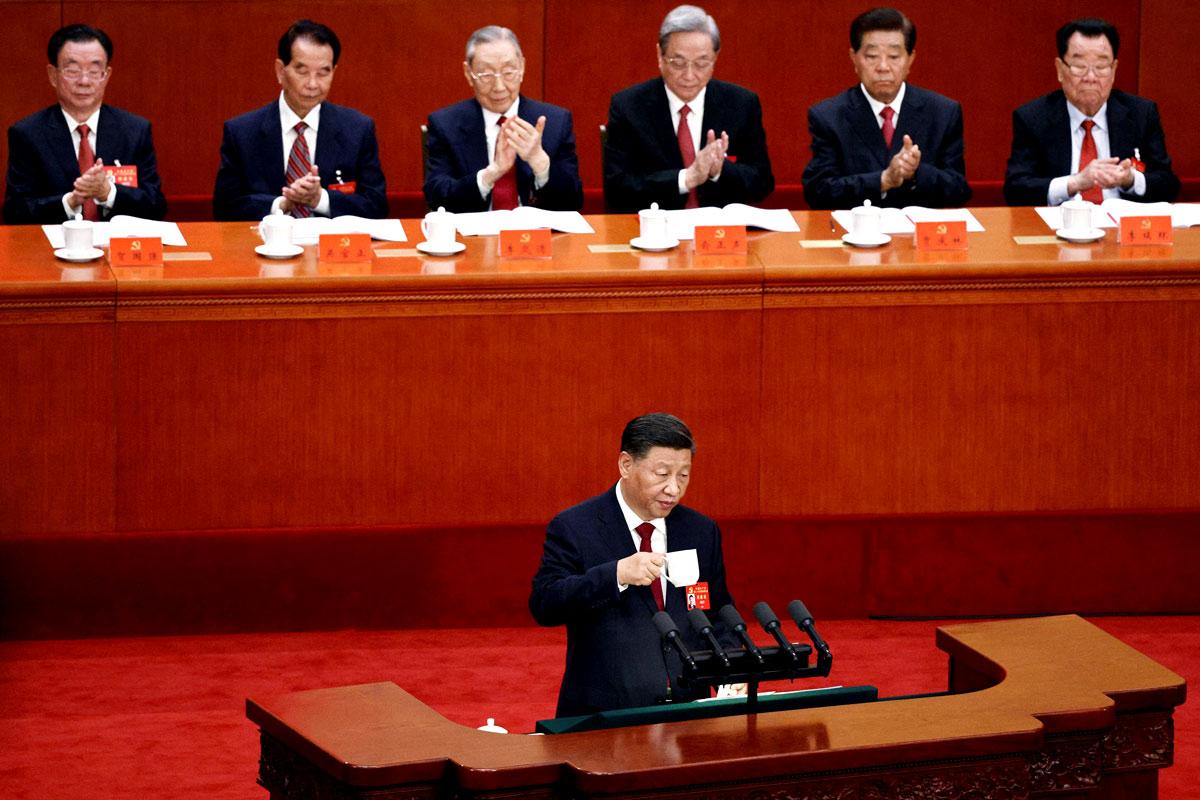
(492, 727)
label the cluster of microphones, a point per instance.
(747, 662)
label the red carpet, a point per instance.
(164, 717)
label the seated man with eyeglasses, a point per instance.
(60, 159)
(885, 140)
(685, 140)
(500, 149)
(1087, 139)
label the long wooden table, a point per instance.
(239, 392)
(881, 431)
(1037, 708)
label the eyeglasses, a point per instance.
(1079, 70)
(510, 75)
(681, 64)
(75, 73)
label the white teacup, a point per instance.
(683, 569)
(276, 231)
(653, 224)
(438, 229)
(1077, 215)
(77, 235)
(864, 221)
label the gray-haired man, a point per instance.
(500, 149)
(684, 140)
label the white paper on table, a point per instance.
(1183, 215)
(122, 225)
(681, 223)
(901, 221)
(490, 223)
(683, 568)
(308, 230)
(1052, 216)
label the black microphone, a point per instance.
(733, 620)
(670, 633)
(803, 618)
(766, 617)
(702, 626)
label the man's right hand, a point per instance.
(902, 167)
(640, 569)
(506, 157)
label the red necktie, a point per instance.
(86, 159)
(299, 163)
(889, 128)
(504, 192)
(687, 149)
(1087, 154)
(646, 530)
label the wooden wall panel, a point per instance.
(421, 420)
(25, 88)
(1168, 36)
(57, 449)
(1059, 406)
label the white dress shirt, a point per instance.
(658, 539)
(93, 122)
(1057, 193)
(695, 125)
(287, 123)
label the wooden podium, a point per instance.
(1049, 707)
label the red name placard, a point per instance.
(135, 252)
(948, 235)
(123, 176)
(344, 247)
(720, 239)
(533, 243)
(1146, 230)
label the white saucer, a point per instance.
(429, 249)
(652, 246)
(78, 256)
(878, 240)
(287, 251)
(1093, 235)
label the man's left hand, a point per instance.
(526, 140)
(304, 191)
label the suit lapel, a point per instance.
(62, 148)
(858, 118)
(108, 137)
(1120, 143)
(914, 122)
(269, 147)
(471, 136)
(662, 126)
(620, 544)
(1058, 135)
(329, 142)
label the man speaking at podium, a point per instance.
(602, 575)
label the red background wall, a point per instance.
(190, 64)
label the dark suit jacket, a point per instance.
(458, 150)
(252, 174)
(42, 165)
(642, 159)
(1041, 148)
(848, 152)
(614, 655)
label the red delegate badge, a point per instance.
(123, 176)
(697, 596)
